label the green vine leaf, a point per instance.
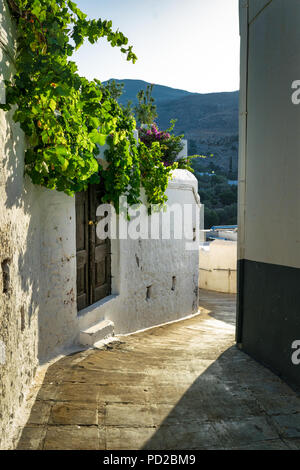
(97, 138)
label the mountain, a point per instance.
(160, 92)
(208, 121)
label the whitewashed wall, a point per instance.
(58, 311)
(138, 264)
(218, 266)
(19, 236)
(184, 152)
(37, 253)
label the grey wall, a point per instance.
(269, 189)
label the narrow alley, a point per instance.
(183, 385)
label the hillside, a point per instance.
(160, 92)
(208, 121)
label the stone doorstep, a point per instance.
(96, 312)
(98, 332)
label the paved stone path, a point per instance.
(178, 386)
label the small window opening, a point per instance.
(148, 293)
(22, 318)
(5, 275)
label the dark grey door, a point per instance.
(92, 254)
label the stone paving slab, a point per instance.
(293, 444)
(73, 438)
(179, 386)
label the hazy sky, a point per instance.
(190, 44)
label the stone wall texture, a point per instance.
(19, 238)
(38, 316)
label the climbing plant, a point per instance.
(67, 117)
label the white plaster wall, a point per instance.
(58, 310)
(19, 243)
(184, 152)
(218, 266)
(269, 189)
(138, 264)
(38, 316)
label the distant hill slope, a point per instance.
(160, 92)
(208, 121)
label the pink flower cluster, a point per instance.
(153, 134)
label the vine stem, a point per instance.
(13, 7)
(24, 14)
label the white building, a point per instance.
(47, 303)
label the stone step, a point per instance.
(96, 312)
(98, 332)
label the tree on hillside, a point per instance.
(146, 109)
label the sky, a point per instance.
(188, 44)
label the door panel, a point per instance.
(93, 255)
(101, 278)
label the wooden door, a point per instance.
(92, 253)
(100, 262)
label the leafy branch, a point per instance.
(67, 117)
(62, 114)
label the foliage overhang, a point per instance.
(66, 116)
